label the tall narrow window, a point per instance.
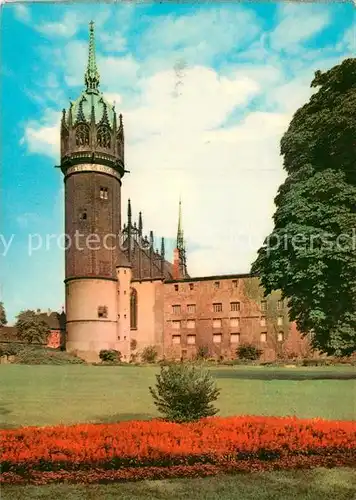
(217, 307)
(82, 135)
(103, 138)
(133, 309)
(217, 284)
(234, 283)
(103, 193)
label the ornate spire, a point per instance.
(180, 238)
(92, 77)
(181, 245)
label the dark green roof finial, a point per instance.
(92, 77)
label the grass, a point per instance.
(49, 395)
(317, 484)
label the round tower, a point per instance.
(92, 162)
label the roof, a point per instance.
(8, 334)
(216, 278)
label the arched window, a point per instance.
(133, 309)
(103, 138)
(82, 135)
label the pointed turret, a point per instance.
(92, 77)
(180, 262)
(162, 257)
(140, 225)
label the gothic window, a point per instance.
(133, 309)
(103, 138)
(82, 135)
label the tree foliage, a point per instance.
(185, 393)
(311, 253)
(3, 320)
(31, 327)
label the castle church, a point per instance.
(122, 293)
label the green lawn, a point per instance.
(317, 484)
(48, 395)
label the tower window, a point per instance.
(263, 337)
(82, 135)
(83, 215)
(217, 284)
(217, 307)
(191, 308)
(102, 312)
(280, 336)
(234, 283)
(235, 338)
(176, 288)
(103, 138)
(191, 286)
(104, 193)
(234, 306)
(133, 309)
(190, 339)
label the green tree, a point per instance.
(310, 255)
(31, 327)
(3, 320)
(185, 393)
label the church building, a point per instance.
(121, 292)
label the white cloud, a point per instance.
(22, 13)
(198, 37)
(298, 23)
(67, 27)
(43, 137)
(112, 42)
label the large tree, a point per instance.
(3, 320)
(311, 253)
(31, 327)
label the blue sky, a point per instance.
(208, 131)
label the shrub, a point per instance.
(110, 355)
(133, 344)
(149, 354)
(9, 349)
(32, 355)
(185, 393)
(248, 352)
(202, 352)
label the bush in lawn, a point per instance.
(185, 393)
(110, 355)
(248, 352)
(149, 354)
(133, 344)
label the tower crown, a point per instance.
(89, 128)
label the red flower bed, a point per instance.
(156, 444)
